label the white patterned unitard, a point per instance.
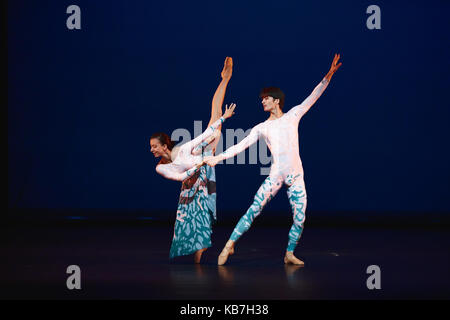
(190, 154)
(281, 136)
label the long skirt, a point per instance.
(196, 213)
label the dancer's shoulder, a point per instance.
(162, 162)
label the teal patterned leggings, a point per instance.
(269, 188)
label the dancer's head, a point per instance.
(271, 98)
(160, 144)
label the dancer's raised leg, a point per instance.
(216, 113)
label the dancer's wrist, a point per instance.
(198, 166)
(328, 76)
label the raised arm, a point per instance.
(205, 143)
(302, 108)
(210, 134)
(169, 171)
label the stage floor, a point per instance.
(131, 262)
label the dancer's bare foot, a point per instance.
(227, 251)
(227, 68)
(198, 255)
(289, 258)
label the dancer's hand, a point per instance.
(227, 68)
(229, 111)
(211, 160)
(201, 164)
(334, 65)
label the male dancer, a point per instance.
(280, 131)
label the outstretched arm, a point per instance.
(169, 171)
(234, 150)
(302, 108)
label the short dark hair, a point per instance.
(273, 92)
(163, 139)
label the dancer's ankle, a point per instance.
(289, 258)
(229, 244)
(198, 255)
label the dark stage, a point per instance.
(130, 261)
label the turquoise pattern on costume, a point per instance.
(196, 213)
(269, 188)
(297, 199)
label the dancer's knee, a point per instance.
(299, 218)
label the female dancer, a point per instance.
(197, 203)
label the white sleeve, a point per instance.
(195, 144)
(169, 171)
(299, 110)
(241, 146)
(210, 143)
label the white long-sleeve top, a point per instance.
(189, 154)
(281, 136)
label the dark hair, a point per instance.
(273, 92)
(163, 139)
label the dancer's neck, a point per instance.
(275, 114)
(167, 157)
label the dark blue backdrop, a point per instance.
(82, 104)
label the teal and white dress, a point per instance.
(196, 212)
